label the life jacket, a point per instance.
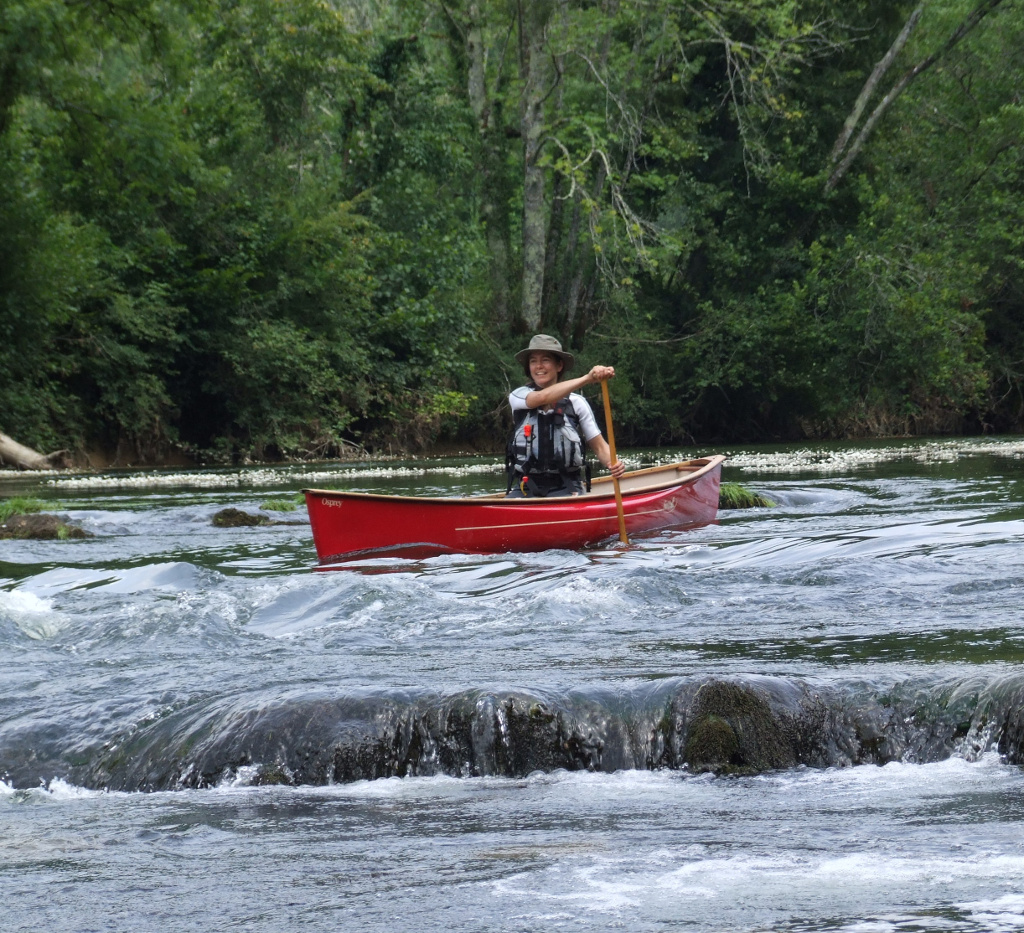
(546, 445)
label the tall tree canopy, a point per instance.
(257, 228)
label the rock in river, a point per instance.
(40, 525)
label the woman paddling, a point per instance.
(545, 454)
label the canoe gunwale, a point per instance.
(693, 470)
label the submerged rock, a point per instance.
(41, 526)
(734, 729)
(725, 726)
(236, 518)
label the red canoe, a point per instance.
(358, 524)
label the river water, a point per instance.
(808, 717)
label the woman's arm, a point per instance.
(540, 398)
(604, 453)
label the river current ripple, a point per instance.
(200, 729)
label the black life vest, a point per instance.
(545, 445)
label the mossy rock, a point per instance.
(713, 745)
(236, 518)
(735, 496)
(279, 505)
(274, 775)
(40, 526)
(734, 730)
(19, 505)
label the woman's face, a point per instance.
(545, 369)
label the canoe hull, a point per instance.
(350, 524)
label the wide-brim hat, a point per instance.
(542, 343)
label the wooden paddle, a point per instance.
(614, 457)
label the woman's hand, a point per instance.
(604, 456)
(600, 373)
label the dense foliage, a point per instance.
(265, 228)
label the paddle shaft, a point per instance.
(614, 458)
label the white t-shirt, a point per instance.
(588, 424)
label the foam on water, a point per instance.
(54, 790)
(820, 460)
(58, 789)
(781, 883)
(998, 915)
(833, 844)
(584, 851)
(263, 477)
(895, 788)
(848, 459)
(33, 615)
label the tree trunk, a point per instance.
(536, 71)
(25, 458)
(880, 70)
(493, 206)
(969, 22)
(553, 268)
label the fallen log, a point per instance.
(25, 458)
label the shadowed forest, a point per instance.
(264, 229)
